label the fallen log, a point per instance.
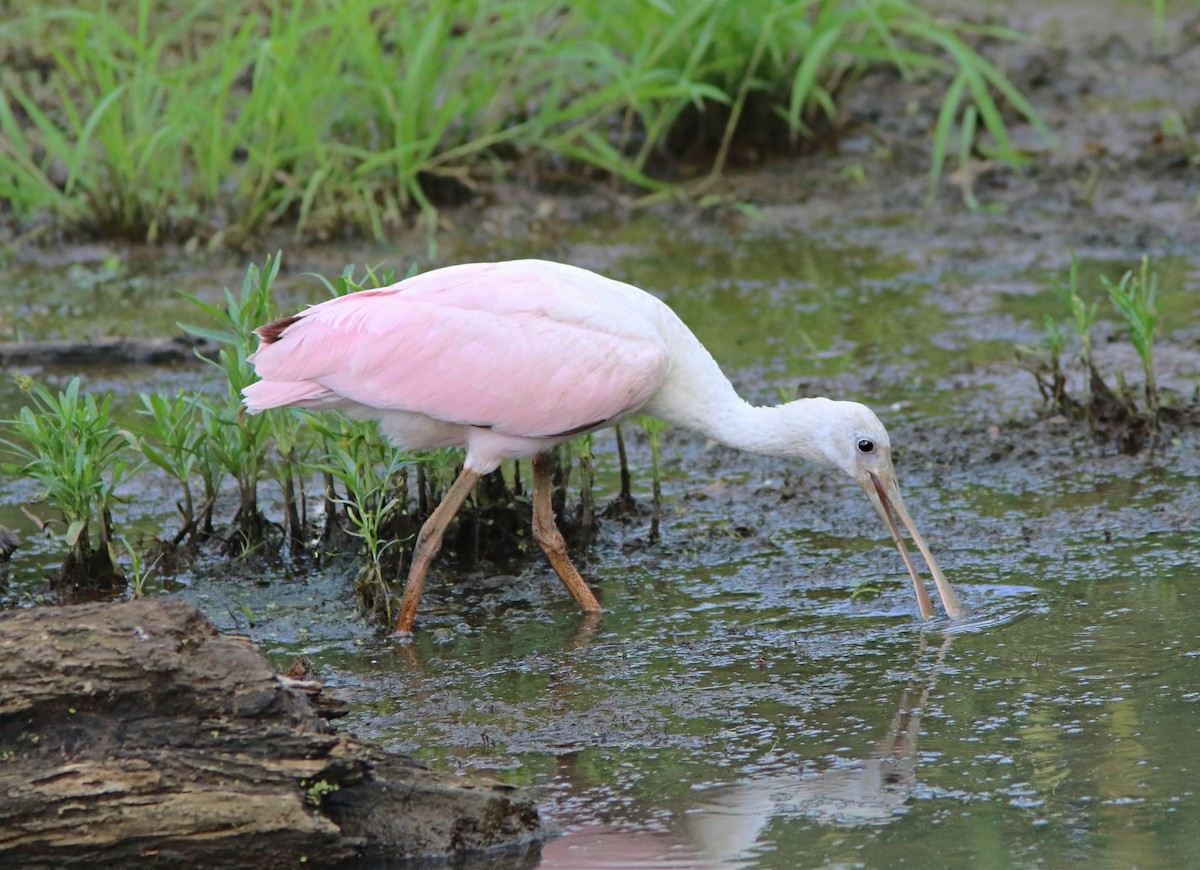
(135, 731)
(109, 350)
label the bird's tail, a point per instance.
(276, 394)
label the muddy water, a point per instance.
(759, 692)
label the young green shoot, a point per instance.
(69, 443)
(1046, 365)
(654, 429)
(139, 572)
(286, 464)
(1083, 315)
(585, 448)
(171, 437)
(624, 504)
(357, 458)
(243, 453)
(1135, 297)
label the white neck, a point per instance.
(698, 396)
(794, 429)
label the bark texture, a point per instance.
(132, 732)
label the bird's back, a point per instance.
(526, 348)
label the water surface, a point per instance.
(759, 691)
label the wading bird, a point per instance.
(510, 359)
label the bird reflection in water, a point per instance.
(873, 790)
(869, 791)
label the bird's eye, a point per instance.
(866, 445)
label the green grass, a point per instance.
(68, 442)
(217, 119)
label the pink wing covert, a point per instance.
(496, 345)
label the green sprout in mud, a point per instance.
(1055, 343)
(1135, 296)
(245, 610)
(139, 572)
(1175, 132)
(242, 449)
(624, 503)
(1107, 411)
(584, 447)
(1083, 315)
(357, 458)
(654, 429)
(69, 443)
(172, 438)
(286, 465)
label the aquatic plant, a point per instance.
(1134, 296)
(1109, 412)
(1083, 315)
(654, 429)
(171, 436)
(209, 466)
(352, 114)
(68, 442)
(1045, 364)
(286, 465)
(1047, 368)
(357, 457)
(139, 572)
(584, 448)
(238, 441)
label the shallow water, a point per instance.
(744, 701)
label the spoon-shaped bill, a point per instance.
(885, 495)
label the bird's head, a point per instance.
(852, 439)
(849, 436)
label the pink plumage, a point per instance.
(533, 353)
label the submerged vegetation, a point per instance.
(214, 120)
(1109, 411)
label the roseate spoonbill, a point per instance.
(510, 359)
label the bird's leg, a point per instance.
(429, 542)
(550, 539)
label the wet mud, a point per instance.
(759, 691)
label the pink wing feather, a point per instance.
(535, 350)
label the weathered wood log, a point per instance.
(106, 351)
(135, 731)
